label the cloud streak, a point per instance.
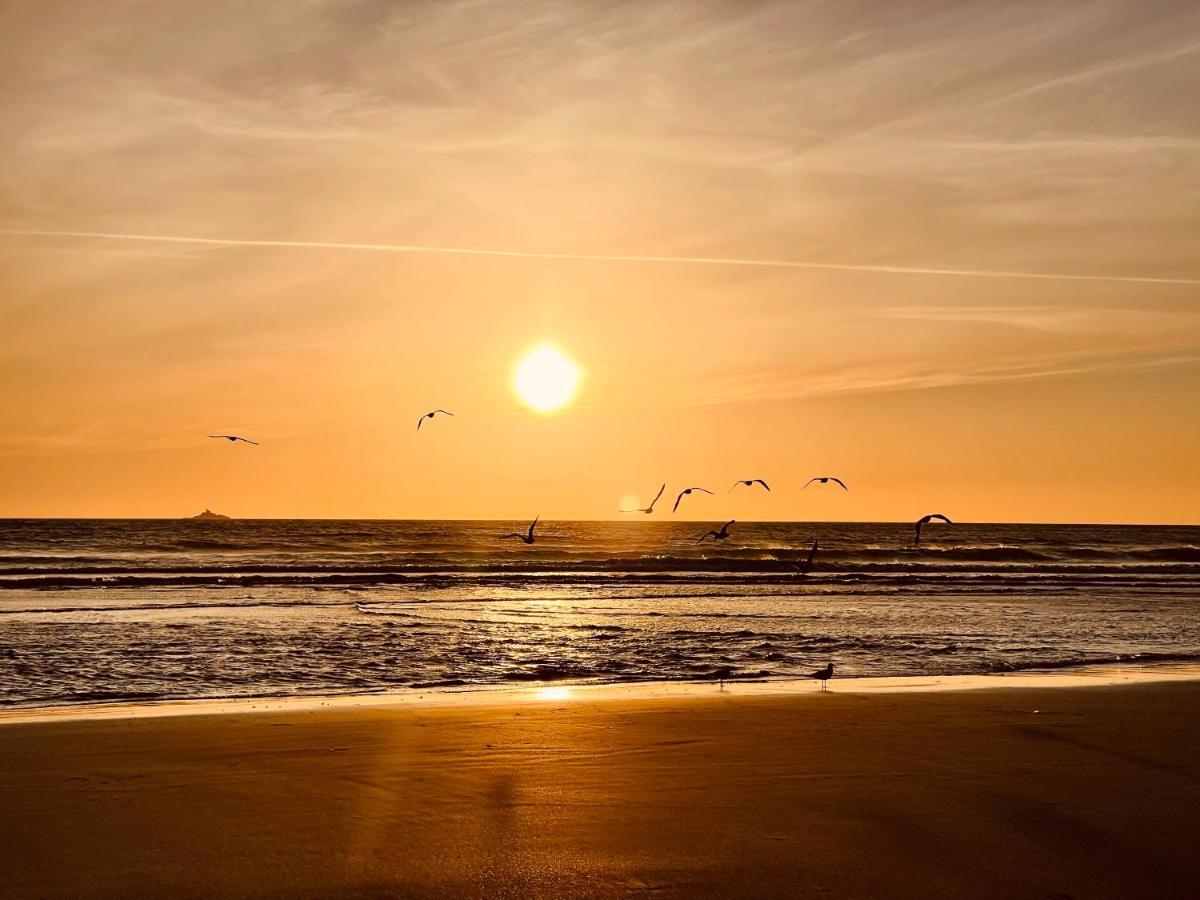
(615, 258)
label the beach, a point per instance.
(1033, 790)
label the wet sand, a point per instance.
(1027, 791)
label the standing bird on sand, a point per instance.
(234, 438)
(649, 509)
(825, 479)
(717, 535)
(804, 568)
(823, 676)
(684, 493)
(430, 415)
(750, 482)
(722, 673)
(925, 520)
(527, 538)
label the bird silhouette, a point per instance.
(233, 438)
(722, 673)
(649, 509)
(825, 479)
(804, 568)
(527, 538)
(750, 482)
(925, 520)
(823, 676)
(430, 415)
(685, 492)
(717, 535)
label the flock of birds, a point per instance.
(721, 534)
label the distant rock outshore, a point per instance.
(209, 514)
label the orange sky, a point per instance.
(918, 152)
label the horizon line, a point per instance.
(587, 257)
(633, 521)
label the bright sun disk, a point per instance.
(546, 379)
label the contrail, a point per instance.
(590, 257)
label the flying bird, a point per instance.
(750, 482)
(717, 535)
(233, 438)
(925, 520)
(685, 492)
(527, 538)
(430, 415)
(649, 509)
(804, 568)
(825, 479)
(823, 676)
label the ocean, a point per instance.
(124, 610)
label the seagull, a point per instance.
(233, 438)
(649, 509)
(722, 673)
(717, 535)
(527, 538)
(684, 493)
(750, 482)
(804, 568)
(925, 520)
(825, 479)
(430, 415)
(823, 676)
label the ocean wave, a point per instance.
(1083, 658)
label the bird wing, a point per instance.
(677, 499)
(807, 483)
(421, 420)
(533, 524)
(763, 483)
(656, 496)
(842, 483)
(504, 537)
(812, 553)
(706, 490)
(219, 436)
(247, 441)
(735, 484)
(943, 518)
(444, 412)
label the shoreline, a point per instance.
(1085, 676)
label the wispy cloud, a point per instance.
(611, 257)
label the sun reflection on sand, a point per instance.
(559, 692)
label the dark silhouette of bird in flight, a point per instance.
(527, 538)
(685, 492)
(649, 509)
(825, 479)
(430, 415)
(804, 567)
(233, 438)
(717, 535)
(823, 676)
(925, 520)
(750, 482)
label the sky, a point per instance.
(944, 250)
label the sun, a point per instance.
(546, 379)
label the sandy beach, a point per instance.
(1023, 791)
